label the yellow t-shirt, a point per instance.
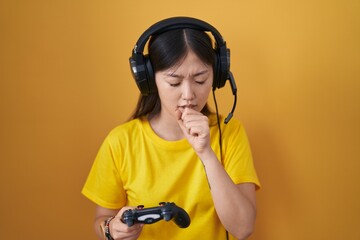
(134, 166)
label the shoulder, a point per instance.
(232, 125)
(232, 130)
(132, 125)
(126, 131)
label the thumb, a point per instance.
(180, 121)
(178, 113)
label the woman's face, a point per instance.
(186, 85)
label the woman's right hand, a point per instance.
(121, 231)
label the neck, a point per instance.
(166, 127)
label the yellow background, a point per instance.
(65, 82)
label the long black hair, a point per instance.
(167, 49)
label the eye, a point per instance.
(174, 84)
(200, 82)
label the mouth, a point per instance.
(192, 106)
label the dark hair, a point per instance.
(167, 49)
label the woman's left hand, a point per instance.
(195, 127)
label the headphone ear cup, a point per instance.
(143, 73)
(150, 75)
(138, 70)
(216, 71)
(223, 65)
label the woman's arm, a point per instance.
(235, 204)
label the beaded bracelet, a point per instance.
(107, 229)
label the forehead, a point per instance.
(190, 62)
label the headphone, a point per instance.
(142, 69)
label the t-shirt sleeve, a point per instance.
(238, 160)
(103, 185)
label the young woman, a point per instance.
(170, 150)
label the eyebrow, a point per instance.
(194, 75)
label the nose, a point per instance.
(187, 91)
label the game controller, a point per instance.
(166, 210)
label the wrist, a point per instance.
(206, 155)
(105, 229)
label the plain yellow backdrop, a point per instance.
(65, 82)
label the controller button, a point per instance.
(149, 218)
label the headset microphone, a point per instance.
(234, 91)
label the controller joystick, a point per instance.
(166, 211)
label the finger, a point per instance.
(123, 209)
(178, 113)
(122, 231)
(194, 121)
(183, 128)
(190, 112)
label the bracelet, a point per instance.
(107, 229)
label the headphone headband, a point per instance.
(176, 23)
(142, 68)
